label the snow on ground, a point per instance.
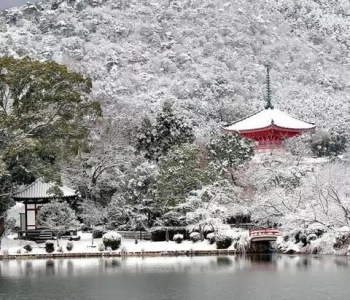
(85, 246)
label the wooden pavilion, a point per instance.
(269, 127)
(35, 195)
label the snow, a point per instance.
(112, 235)
(266, 118)
(127, 245)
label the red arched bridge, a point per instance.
(264, 235)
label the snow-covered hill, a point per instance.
(206, 55)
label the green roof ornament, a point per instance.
(269, 102)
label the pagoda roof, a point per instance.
(268, 117)
(42, 190)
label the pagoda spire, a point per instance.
(268, 99)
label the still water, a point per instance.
(197, 278)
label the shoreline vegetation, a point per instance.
(187, 253)
(175, 253)
(288, 244)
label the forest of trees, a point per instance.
(152, 85)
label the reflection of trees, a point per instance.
(304, 262)
(262, 258)
(223, 261)
(263, 262)
(342, 262)
(50, 267)
(28, 268)
(70, 267)
(112, 264)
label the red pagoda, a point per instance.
(269, 127)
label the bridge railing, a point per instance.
(267, 231)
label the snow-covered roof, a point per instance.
(40, 190)
(268, 117)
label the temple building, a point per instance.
(269, 127)
(35, 195)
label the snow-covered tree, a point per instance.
(325, 144)
(57, 216)
(230, 151)
(321, 197)
(180, 172)
(45, 114)
(95, 170)
(299, 147)
(170, 130)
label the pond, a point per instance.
(266, 277)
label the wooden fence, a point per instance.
(140, 235)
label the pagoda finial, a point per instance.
(269, 102)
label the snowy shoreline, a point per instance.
(188, 253)
(218, 252)
(86, 247)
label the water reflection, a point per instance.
(86, 266)
(263, 277)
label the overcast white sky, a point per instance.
(11, 3)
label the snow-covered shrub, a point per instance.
(101, 247)
(49, 246)
(28, 247)
(123, 250)
(112, 239)
(178, 238)
(192, 228)
(195, 237)
(158, 234)
(69, 246)
(97, 233)
(60, 249)
(5, 253)
(316, 229)
(211, 237)
(85, 228)
(19, 251)
(242, 242)
(223, 240)
(10, 224)
(341, 239)
(311, 237)
(207, 231)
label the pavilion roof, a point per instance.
(268, 117)
(41, 190)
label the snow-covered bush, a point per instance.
(5, 252)
(49, 246)
(342, 238)
(123, 250)
(19, 251)
(158, 234)
(97, 233)
(195, 237)
(28, 247)
(211, 237)
(223, 240)
(69, 246)
(112, 239)
(311, 237)
(101, 247)
(242, 242)
(178, 238)
(60, 249)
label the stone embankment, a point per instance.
(119, 254)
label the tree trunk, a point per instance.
(167, 234)
(201, 232)
(92, 235)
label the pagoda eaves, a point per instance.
(269, 127)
